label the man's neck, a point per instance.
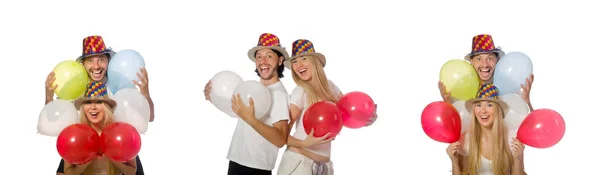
(103, 80)
(487, 82)
(269, 82)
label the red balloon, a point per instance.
(441, 122)
(357, 109)
(121, 142)
(542, 128)
(78, 143)
(325, 117)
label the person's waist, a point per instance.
(309, 154)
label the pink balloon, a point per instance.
(441, 122)
(542, 128)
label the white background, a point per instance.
(393, 52)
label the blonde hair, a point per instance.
(323, 90)
(106, 120)
(502, 159)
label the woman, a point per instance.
(307, 154)
(488, 147)
(96, 110)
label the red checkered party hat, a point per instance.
(94, 45)
(483, 43)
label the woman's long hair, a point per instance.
(323, 90)
(108, 119)
(502, 159)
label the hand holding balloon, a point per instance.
(373, 118)
(143, 83)
(243, 111)
(526, 90)
(311, 140)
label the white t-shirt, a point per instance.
(485, 165)
(248, 147)
(300, 99)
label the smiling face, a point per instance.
(96, 66)
(267, 62)
(484, 64)
(94, 111)
(485, 113)
(304, 67)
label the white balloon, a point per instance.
(465, 116)
(223, 85)
(56, 116)
(518, 110)
(132, 108)
(259, 94)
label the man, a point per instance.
(255, 143)
(95, 60)
(484, 56)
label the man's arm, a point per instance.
(276, 134)
(151, 103)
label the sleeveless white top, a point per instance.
(485, 165)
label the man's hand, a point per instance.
(447, 96)
(243, 111)
(526, 89)
(143, 84)
(207, 89)
(49, 88)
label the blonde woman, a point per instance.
(96, 110)
(305, 153)
(489, 147)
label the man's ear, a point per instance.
(280, 60)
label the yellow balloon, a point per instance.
(71, 79)
(460, 79)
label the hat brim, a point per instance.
(252, 52)
(78, 102)
(107, 51)
(321, 57)
(503, 105)
(499, 51)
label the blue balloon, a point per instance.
(512, 71)
(123, 68)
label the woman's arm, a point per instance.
(518, 168)
(456, 165)
(127, 168)
(71, 169)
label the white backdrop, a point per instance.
(393, 52)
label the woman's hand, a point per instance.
(374, 118)
(518, 149)
(453, 150)
(311, 140)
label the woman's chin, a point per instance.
(95, 121)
